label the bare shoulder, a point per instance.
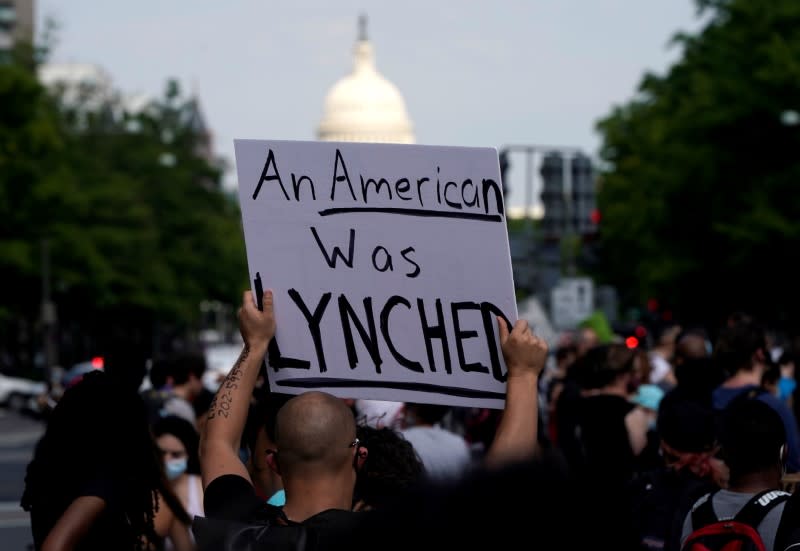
(637, 418)
(197, 481)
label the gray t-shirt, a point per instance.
(726, 504)
(175, 405)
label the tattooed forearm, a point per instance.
(221, 404)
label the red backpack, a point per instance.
(739, 533)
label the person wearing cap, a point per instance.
(688, 469)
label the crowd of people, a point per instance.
(693, 441)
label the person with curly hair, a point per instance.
(96, 479)
(391, 468)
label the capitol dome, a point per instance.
(364, 106)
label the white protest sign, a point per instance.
(389, 266)
(572, 301)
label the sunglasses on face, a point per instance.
(355, 444)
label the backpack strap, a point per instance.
(759, 505)
(703, 512)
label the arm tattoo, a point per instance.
(221, 404)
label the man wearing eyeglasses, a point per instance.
(318, 453)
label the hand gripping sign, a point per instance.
(389, 265)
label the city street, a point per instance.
(18, 436)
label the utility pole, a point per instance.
(531, 151)
(550, 265)
(48, 313)
(529, 190)
(570, 232)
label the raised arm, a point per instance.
(220, 442)
(525, 356)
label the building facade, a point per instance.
(364, 106)
(16, 25)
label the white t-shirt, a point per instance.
(660, 368)
(444, 454)
(380, 413)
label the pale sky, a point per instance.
(472, 73)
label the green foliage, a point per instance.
(138, 228)
(521, 225)
(699, 198)
(599, 323)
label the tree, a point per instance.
(138, 227)
(698, 197)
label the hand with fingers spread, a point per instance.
(524, 352)
(257, 326)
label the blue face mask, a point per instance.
(786, 386)
(278, 499)
(175, 467)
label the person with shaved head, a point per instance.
(317, 452)
(316, 449)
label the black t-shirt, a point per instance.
(566, 422)
(788, 536)
(605, 441)
(659, 502)
(110, 530)
(514, 507)
(232, 498)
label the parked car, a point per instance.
(19, 393)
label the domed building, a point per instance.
(364, 106)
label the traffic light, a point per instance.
(633, 336)
(504, 166)
(584, 196)
(552, 171)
